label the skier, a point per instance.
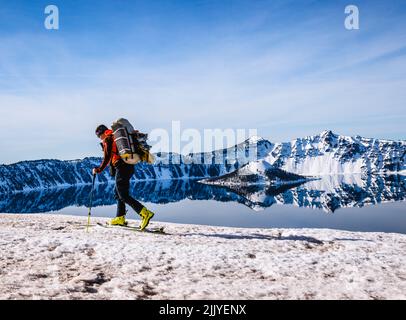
(122, 173)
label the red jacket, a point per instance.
(111, 155)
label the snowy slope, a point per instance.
(52, 257)
(251, 149)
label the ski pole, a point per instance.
(90, 202)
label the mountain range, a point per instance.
(324, 154)
(329, 153)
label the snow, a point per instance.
(52, 257)
(326, 164)
(332, 184)
(329, 153)
(254, 139)
(255, 167)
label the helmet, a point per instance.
(100, 130)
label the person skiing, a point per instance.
(122, 173)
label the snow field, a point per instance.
(52, 257)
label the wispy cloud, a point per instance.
(289, 71)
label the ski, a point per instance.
(157, 230)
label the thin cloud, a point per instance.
(286, 82)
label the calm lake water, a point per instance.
(373, 203)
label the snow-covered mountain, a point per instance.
(252, 149)
(256, 172)
(326, 153)
(329, 153)
(44, 174)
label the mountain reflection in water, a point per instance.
(329, 193)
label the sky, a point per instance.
(286, 68)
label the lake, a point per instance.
(347, 202)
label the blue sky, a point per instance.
(287, 68)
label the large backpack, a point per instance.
(131, 144)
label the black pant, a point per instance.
(123, 175)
